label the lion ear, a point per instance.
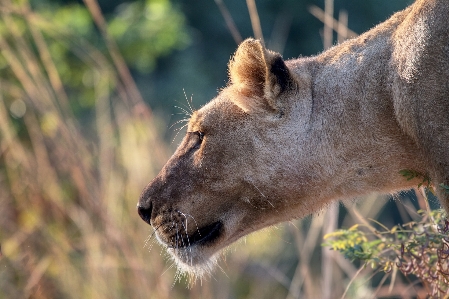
(259, 75)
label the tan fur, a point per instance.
(286, 138)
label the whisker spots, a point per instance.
(191, 264)
(193, 218)
(186, 233)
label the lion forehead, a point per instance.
(221, 111)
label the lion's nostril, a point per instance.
(145, 213)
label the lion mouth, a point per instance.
(202, 236)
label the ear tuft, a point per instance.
(281, 74)
(259, 75)
(247, 68)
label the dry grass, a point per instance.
(69, 228)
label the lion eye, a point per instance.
(198, 140)
(200, 135)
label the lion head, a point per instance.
(265, 150)
(233, 172)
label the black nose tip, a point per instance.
(145, 213)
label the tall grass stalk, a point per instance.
(69, 189)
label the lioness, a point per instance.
(285, 138)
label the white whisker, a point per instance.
(196, 224)
(187, 235)
(179, 130)
(179, 121)
(189, 103)
(266, 198)
(187, 113)
(222, 270)
(171, 266)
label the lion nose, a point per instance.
(145, 213)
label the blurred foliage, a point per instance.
(143, 31)
(418, 248)
(69, 186)
(146, 31)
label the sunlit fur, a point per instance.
(286, 138)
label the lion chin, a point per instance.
(194, 261)
(196, 257)
(196, 249)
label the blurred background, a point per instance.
(89, 94)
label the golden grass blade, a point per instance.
(134, 95)
(320, 15)
(229, 22)
(255, 21)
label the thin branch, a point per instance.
(351, 281)
(134, 94)
(48, 63)
(319, 14)
(255, 21)
(381, 283)
(305, 250)
(327, 261)
(328, 33)
(229, 22)
(342, 28)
